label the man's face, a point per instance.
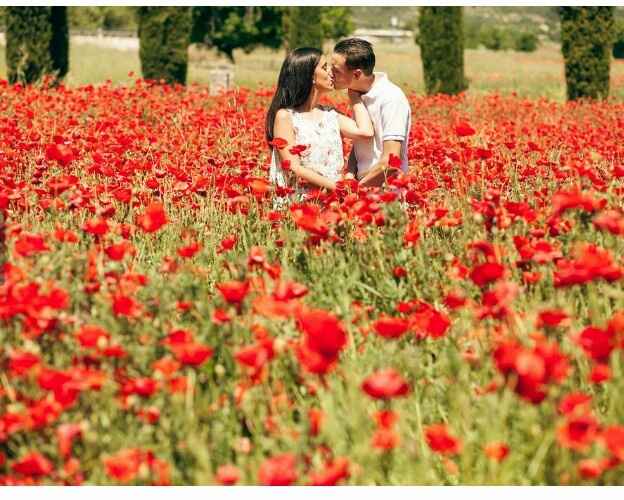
(343, 76)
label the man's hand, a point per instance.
(354, 96)
(378, 176)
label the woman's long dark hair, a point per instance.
(294, 83)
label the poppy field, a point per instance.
(161, 323)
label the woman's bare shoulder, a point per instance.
(283, 114)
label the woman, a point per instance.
(296, 119)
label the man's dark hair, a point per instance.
(358, 54)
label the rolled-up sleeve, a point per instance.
(395, 114)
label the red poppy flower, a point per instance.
(153, 218)
(597, 343)
(385, 384)
(334, 472)
(278, 143)
(189, 250)
(573, 402)
(124, 305)
(591, 468)
(390, 328)
(497, 451)
(441, 440)
(385, 439)
(144, 387)
(279, 470)
(192, 354)
(324, 333)
(228, 475)
(600, 373)
(167, 366)
(485, 273)
(233, 292)
(386, 419)
(90, 335)
(578, 432)
(255, 356)
(33, 464)
(552, 318)
(298, 149)
(427, 321)
(395, 161)
(65, 434)
(124, 465)
(610, 220)
(60, 153)
(399, 272)
(178, 337)
(227, 244)
(613, 437)
(314, 361)
(118, 251)
(96, 227)
(464, 129)
(20, 362)
(28, 244)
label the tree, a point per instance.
(106, 18)
(336, 22)
(586, 42)
(37, 43)
(303, 27)
(230, 28)
(618, 40)
(164, 36)
(441, 43)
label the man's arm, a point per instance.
(377, 175)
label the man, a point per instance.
(353, 62)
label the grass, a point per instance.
(534, 75)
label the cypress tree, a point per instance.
(59, 45)
(586, 42)
(37, 43)
(441, 43)
(164, 37)
(304, 28)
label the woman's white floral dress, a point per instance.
(323, 153)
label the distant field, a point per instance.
(538, 74)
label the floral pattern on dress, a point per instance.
(323, 153)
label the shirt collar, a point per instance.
(380, 79)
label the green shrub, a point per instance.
(494, 38)
(164, 36)
(586, 43)
(37, 43)
(441, 43)
(303, 27)
(525, 42)
(106, 18)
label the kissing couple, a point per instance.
(306, 138)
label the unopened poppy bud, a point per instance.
(102, 342)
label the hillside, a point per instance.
(539, 20)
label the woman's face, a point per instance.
(323, 76)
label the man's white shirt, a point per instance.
(391, 115)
